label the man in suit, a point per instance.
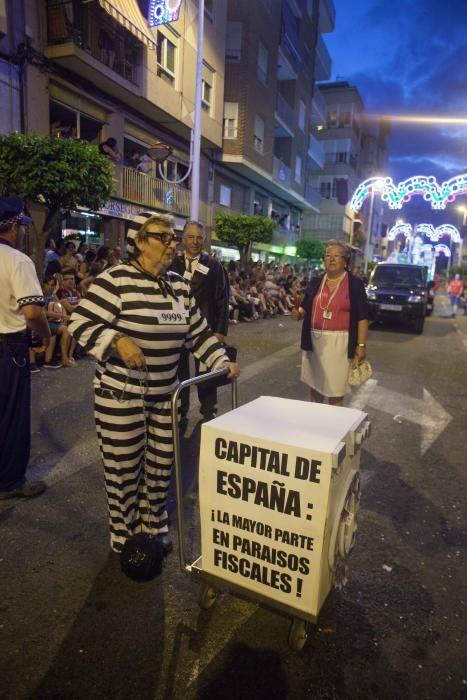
(209, 287)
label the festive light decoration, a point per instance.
(163, 12)
(434, 234)
(442, 248)
(398, 195)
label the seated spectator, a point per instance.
(133, 160)
(67, 293)
(109, 148)
(102, 258)
(84, 267)
(82, 250)
(58, 319)
(69, 261)
(85, 283)
(50, 252)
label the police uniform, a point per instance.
(19, 287)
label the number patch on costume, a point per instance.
(172, 317)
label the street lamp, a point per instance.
(160, 151)
(463, 211)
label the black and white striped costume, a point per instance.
(136, 442)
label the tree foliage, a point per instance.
(242, 230)
(58, 173)
(310, 249)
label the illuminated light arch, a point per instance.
(434, 234)
(397, 195)
(442, 248)
(400, 229)
(163, 12)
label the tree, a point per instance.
(310, 249)
(242, 230)
(58, 174)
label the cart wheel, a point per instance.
(207, 596)
(298, 634)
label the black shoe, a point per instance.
(27, 490)
(53, 364)
(33, 368)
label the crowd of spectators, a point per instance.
(69, 271)
(258, 291)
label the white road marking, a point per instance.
(426, 412)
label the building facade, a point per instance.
(95, 70)
(355, 148)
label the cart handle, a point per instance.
(176, 444)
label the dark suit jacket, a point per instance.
(358, 311)
(210, 291)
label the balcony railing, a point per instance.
(323, 61)
(285, 111)
(281, 172)
(313, 196)
(98, 35)
(155, 193)
(318, 107)
(316, 152)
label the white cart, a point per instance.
(279, 492)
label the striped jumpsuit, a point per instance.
(133, 407)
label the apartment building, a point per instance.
(96, 70)
(355, 148)
(274, 52)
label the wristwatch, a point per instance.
(362, 345)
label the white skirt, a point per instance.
(326, 368)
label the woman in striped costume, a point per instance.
(134, 320)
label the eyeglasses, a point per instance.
(165, 238)
(333, 257)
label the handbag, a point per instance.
(359, 373)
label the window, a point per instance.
(230, 120)
(331, 120)
(206, 96)
(225, 196)
(233, 43)
(327, 189)
(258, 137)
(345, 119)
(209, 10)
(298, 169)
(165, 58)
(262, 64)
(302, 115)
(66, 122)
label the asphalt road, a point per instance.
(73, 626)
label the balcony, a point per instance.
(155, 193)
(316, 153)
(281, 173)
(313, 197)
(289, 58)
(318, 108)
(323, 61)
(327, 16)
(93, 38)
(285, 114)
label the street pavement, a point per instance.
(73, 626)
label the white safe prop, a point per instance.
(279, 494)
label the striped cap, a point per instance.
(132, 232)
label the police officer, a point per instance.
(208, 285)
(21, 301)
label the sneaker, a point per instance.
(27, 490)
(53, 364)
(33, 368)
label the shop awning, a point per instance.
(128, 14)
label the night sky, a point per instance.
(409, 57)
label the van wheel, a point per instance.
(418, 325)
